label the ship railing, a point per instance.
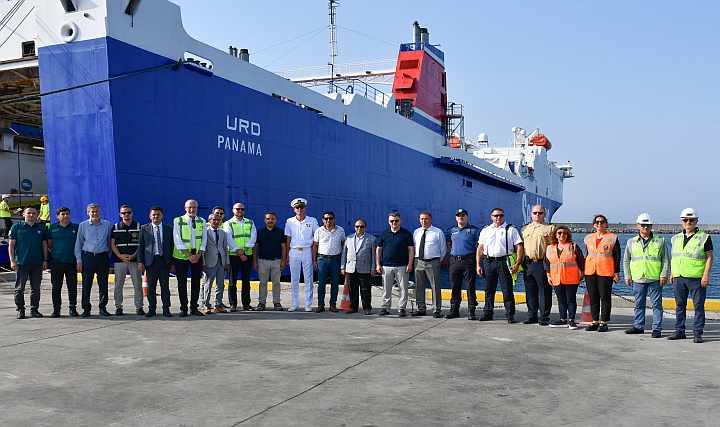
(359, 87)
(348, 70)
(409, 47)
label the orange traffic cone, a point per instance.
(145, 285)
(585, 316)
(345, 303)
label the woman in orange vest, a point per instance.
(564, 262)
(602, 268)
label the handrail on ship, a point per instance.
(363, 89)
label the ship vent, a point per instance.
(69, 5)
(132, 7)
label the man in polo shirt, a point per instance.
(300, 230)
(462, 243)
(269, 260)
(431, 248)
(92, 252)
(327, 247)
(394, 257)
(61, 242)
(28, 257)
(124, 244)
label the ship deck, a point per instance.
(263, 368)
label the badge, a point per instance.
(606, 247)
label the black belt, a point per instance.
(328, 256)
(497, 258)
(428, 259)
(462, 257)
(536, 260)
(159, 256)
(95, 253)
(270, 259)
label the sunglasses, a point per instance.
(328, 219)
(560, 233)
(689, 219)
(644, 225)
(394, 220)
(239, 209)
(498, 216)
(126, 213)
(359, 226)
(602, 221)
(538, 213)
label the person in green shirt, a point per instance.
(28, 252)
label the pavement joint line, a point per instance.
(69, 333)
(354, 365)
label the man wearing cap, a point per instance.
(300, 231)
(394, 258)
(462, 244)
(692, 258)
(44, 215)
(61, 244)
(430, 248)
(243, 235)
(646, 266)
(538, 292)
(5, 214)
(497, 241)
(190, 238)
(28, 257)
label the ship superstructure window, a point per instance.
(409, 64)
(132, 7)
(467, 183)
(28, 48)
(69, 5)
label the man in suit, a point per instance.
(358, 262)
(155, 248)
(216, 262)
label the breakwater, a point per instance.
(620, 228)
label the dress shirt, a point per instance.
(177, 239)
(228, 230)
(92, 238)
(330, 242)
(211, 233)
(536, 239)
(358, 241)
(301, 232)
(464, 240)
(493, 240)
(435, 244)
(155, 229)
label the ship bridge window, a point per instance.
(409, 64)
(467, 183)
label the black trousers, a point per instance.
(244, 269)
(58, 272)
(599, 288)
(360, 283)
(181, 273)
(95, 265)
(463, 271)
(496, 270)
(156, 272)
(538, 292)
(8, 226)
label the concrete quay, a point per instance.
(275, 368)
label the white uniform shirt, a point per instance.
(302, 233)
(330, 242)
(493, 240)
(435, 243)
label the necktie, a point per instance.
(421, 249)
(158, 240)
(217, 238)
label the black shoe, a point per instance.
(197, 312)
(511, 319)
(150, 313)
(118, 312)
(419, 313)
(140, 311)
(436, 314)
(453, 314)
(401, 313)
(55, 314)
(183, 313)
(678, 335)
(260, 307)
(593, 327)
(35, 314)
(86, 313)
(278, 306)
(530, 321)
(603, 327)
(698, 339)
(656, 334)
(471, 314)
(486, 317)
(21, 314)
(166, 312)
(104, 312)
(634, 331)
(73, 312)
(384, 312)
(543, 323)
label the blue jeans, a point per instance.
(567, 300)
(328, 267)
(682, 287)
(641, 291)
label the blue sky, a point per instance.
(626, 90)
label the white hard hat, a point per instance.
(644, 218)
(5, 196)
(689, 213)
(298, 201)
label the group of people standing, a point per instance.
(204, 251)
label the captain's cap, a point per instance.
(298, 202)
(644, 218)
(688, 213)
(461, 211)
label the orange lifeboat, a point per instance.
(455, 142)
(541, 140)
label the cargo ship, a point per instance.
(126, 108)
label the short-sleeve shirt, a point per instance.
(395, 247)
(28, 242)
(535, 239)
(464, 240)
(63, 242)
(495, 241)
(330, 242)
(270, 243)
(301, 232)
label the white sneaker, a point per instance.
(572, 325)
(308, 309)
(293, 308)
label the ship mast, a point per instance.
(333, 42)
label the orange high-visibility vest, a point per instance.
(599, 258)
(564, 269)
